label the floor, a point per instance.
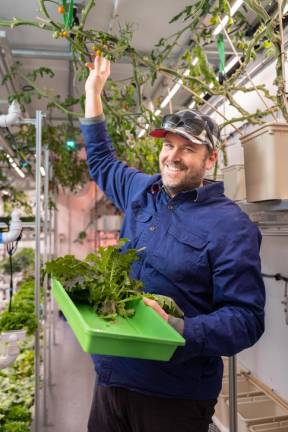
(70, 396)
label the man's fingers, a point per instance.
(101, 64)
(154, 305)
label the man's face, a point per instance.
(183, 163)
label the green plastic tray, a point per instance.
(146, 335)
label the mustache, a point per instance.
(178, 165)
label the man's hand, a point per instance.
(99, 73)
(154, 305)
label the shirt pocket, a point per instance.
(180, 253)
(137, 223)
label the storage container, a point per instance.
(234, 182)
(270, 427)
(245, 388)
(265, 162)
(146, 335)
(258, 410)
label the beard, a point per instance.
(184, 178)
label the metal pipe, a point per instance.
(233, 426)
(54, 307)
(14, 114)
(46, 317)
(50, 298)
(114, 16)
(53, 55)
(38, 126)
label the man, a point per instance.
(199, 248)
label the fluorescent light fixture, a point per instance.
(142, 132)
(221, 25)
(236, 6)
(42, 171)
(19, 172)
(170, 95)
(174, 90)
(15, 166)
(230, 64)
(225, 20)
(285, 9)
(193, 103)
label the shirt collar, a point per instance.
(209, 189)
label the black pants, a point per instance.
(116, 409)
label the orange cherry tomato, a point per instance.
(60, 9)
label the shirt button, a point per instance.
(170, 207)
(152, 228)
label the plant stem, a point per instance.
(245, 71)
(45, 12)
(51, 99)
(85, 12)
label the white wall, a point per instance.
(268, 359)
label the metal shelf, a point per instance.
(270, 216)
(264, 206)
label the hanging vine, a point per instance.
(125, 109)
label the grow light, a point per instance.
(15, 166)
(174, 89)
(225, 20)
(230, 64)
(193, 103)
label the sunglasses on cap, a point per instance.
(192, 123)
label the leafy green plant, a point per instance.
(102, 280)
(22, 315)
(22, 260)
(17, 392)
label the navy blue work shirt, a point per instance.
(202, 251)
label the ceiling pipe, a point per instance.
(15, 228)
(114, 15)
(39, 53)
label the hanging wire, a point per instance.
(11, 249)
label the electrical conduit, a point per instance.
(15, 229)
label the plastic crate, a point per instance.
(245, 388)
(258, 410)
(146, 335)
(270, 427)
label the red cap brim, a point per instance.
(158, 133)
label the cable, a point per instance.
(276, 276)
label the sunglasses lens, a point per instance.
(170, 120)
(191, 122)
